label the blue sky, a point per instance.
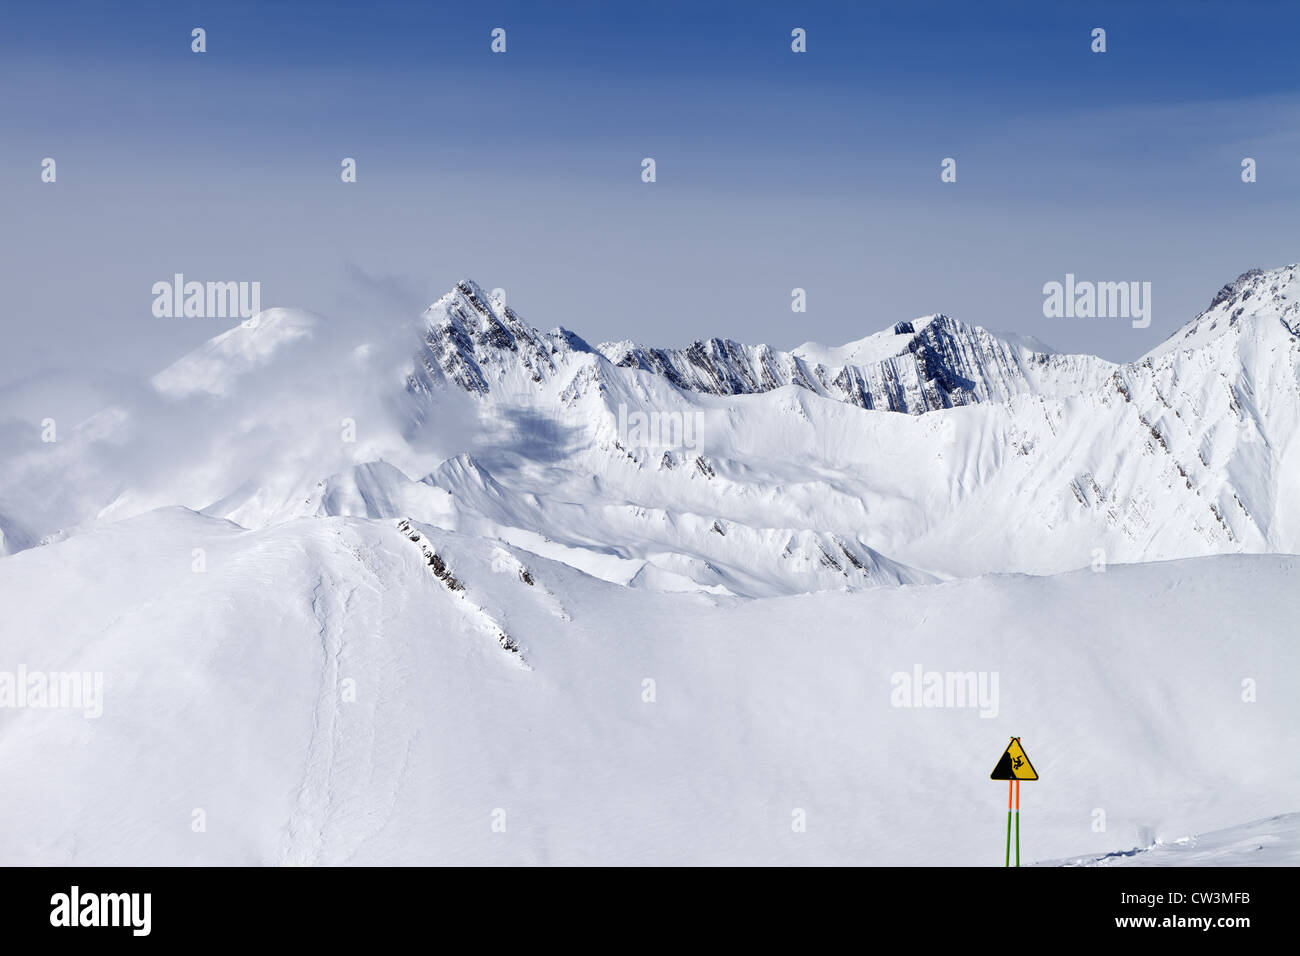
(522, 170)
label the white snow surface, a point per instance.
(1274, 841)
(1115, 541)
(224, 690)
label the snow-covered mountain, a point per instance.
(918, 366)
(360, 592)
(928, 450)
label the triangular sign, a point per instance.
(1014, 764)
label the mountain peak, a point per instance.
(913, 366)
(1264, 302)
(868, 350)
(1235, 286)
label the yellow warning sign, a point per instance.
(1014, 764)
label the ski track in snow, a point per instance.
(304, 833)
(345, 742)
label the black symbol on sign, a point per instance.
(1017, 761)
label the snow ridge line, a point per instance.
(439, 569)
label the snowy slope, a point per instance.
(224, 690)
(1271, 842)
(450, 516)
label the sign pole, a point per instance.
(1009, 786)
(1013, 766)
(1017, 823)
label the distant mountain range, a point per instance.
(925, 451)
